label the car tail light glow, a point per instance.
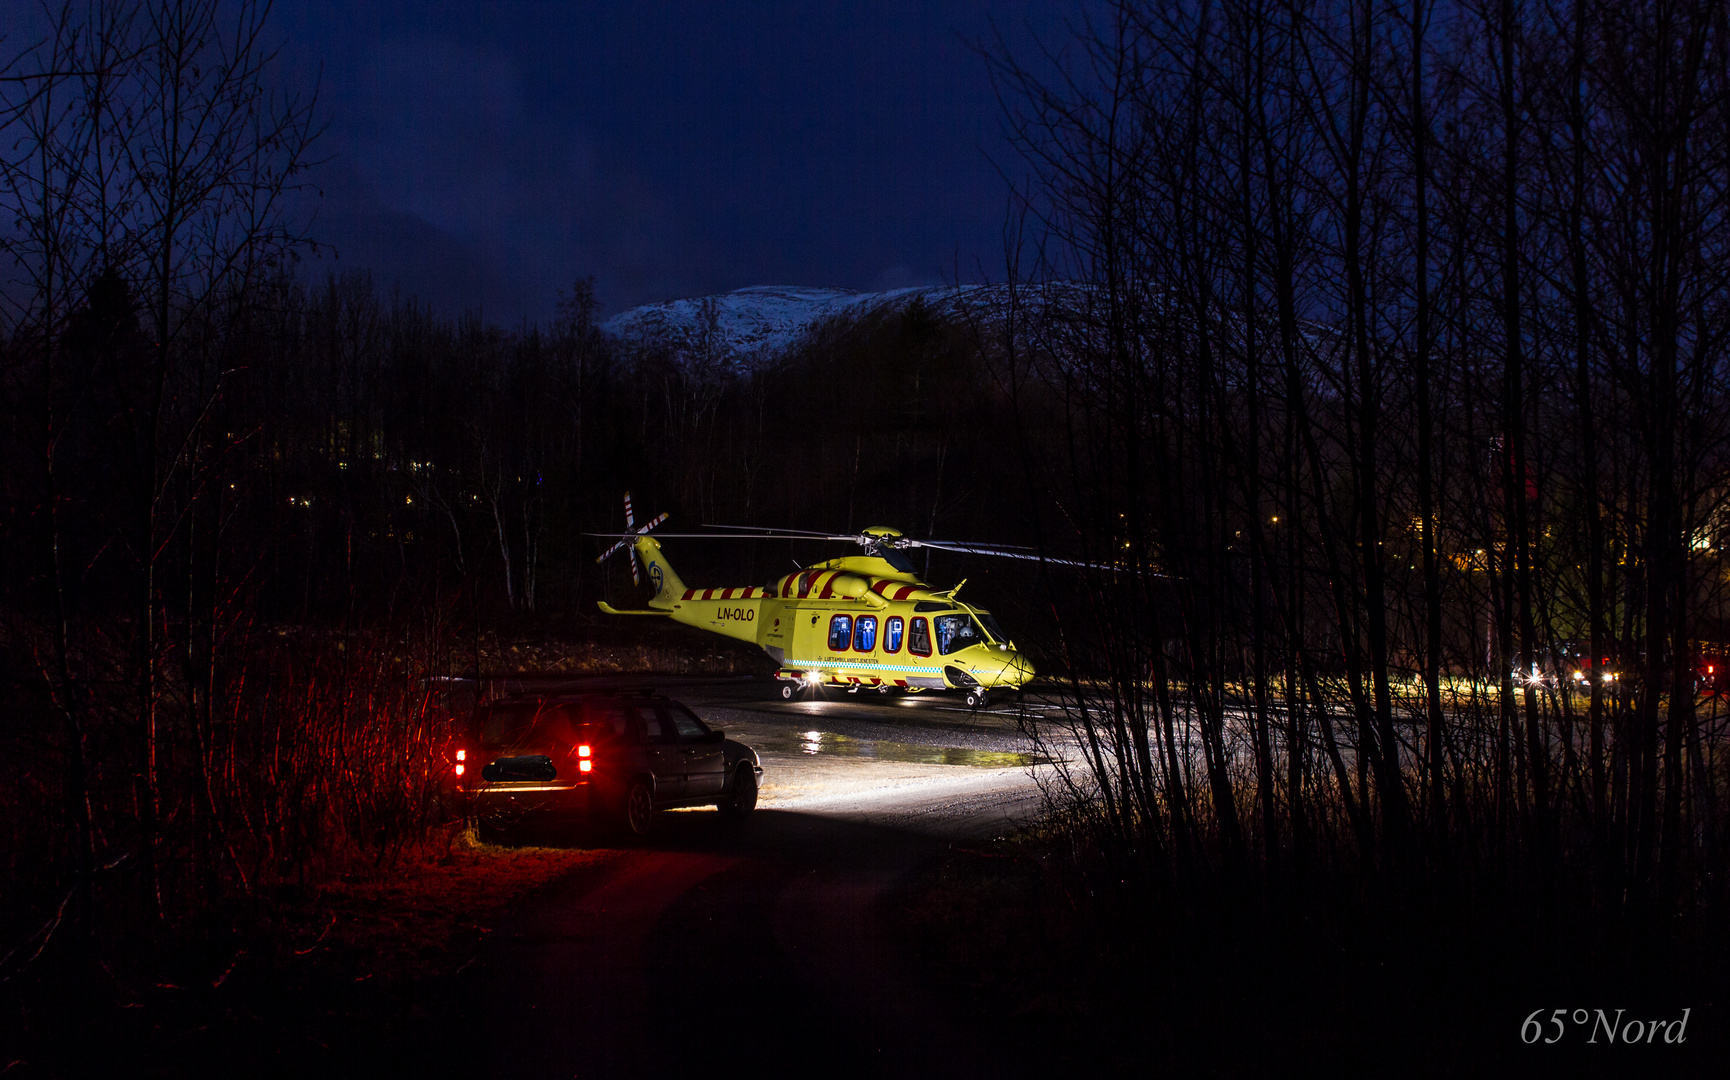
(585, 765)
(583, 751)
(460, 768)
(462, 755)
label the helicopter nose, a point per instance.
(1017, 670)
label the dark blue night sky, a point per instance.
(485, 155)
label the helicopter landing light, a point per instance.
(812, 678)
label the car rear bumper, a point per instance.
(510, 801)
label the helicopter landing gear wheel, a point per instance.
(975, 699)
(786, 691)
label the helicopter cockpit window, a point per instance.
(865, 633)
(919, 638)
(991, 627)
(956, 632)
(892, 633)
(840, 632)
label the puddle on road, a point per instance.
(818, 743)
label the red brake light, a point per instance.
(583, 751)
(460, 768)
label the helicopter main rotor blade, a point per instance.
(715, 536)
(969, 544)
(866, 539)
(900, 543)
(973, 549)
(769, 530)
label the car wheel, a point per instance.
(787, 691)
(638, 815)
(743, 798)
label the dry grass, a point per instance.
(421, 920)
(345, 979)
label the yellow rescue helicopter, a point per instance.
(859, 622)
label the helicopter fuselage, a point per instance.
(855, 621)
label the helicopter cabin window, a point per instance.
(840, 632)
(892, 633)
(919, 638)
(865, 633)
(955, 632)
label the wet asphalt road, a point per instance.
(766, 947)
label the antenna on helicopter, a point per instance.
(631, 533)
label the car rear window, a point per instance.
(539, 725)
(519, 724)
(605, 723)
(508, 724)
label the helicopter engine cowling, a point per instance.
(821, 583)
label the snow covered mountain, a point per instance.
(756, 325)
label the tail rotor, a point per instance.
(628, 541)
